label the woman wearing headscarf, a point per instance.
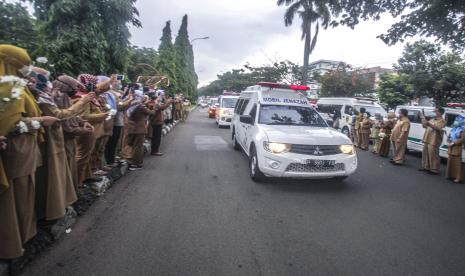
(136, 130)
(385, 134)
(20, 122)
(55, 190)
(64, 88)
(85, 143)
(455, 167)
(365, 131)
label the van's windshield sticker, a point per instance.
(284, 100)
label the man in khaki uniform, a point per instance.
(399, 138)
(358, 121)
(432, 141)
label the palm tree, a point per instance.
(310, 12)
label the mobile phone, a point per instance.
(90, 87)
(120, 77)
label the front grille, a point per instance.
(299, 167)
(228, 120)
(315, 150)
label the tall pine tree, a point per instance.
(167, 58)
(185, 70)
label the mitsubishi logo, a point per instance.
(318, 151)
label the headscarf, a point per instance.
(458, 128)
(12, 59)
(67, 84)
(138, 98)
(103, 83)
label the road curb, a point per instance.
(87, 195)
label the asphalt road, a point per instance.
(195, 211)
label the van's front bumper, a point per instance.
(225, 120)
(292, 165)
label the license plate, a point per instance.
(321, 163)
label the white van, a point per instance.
(415, 137)
(225, 110)
(348, 108)
(285, 137)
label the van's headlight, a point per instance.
(276, 147)
(347, 149)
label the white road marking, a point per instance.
(205, 143)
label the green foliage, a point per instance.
(167, 58)
(311, 12)
(432, 72)
(394, 90)
(18, 27)
(239, 79)
(345, 81)
(441, 19)
(85, 35)
(141, 62)
(186, 77)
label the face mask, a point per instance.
(434, 114)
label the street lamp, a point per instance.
(199, 38)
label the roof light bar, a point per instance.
(284, 86)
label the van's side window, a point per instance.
(348, 110)
(244, 105)
(238, 106)
(414, 116)
(450, 119)
(253, 113)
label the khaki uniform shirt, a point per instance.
(358, 120)
(403, 125)
(434, 137)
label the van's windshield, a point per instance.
(229, 102)
(290, 115)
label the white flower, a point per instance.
(35, 124)
(108, 106)
(6, 99)
(22, 127)
(16, 93)
(5, 79)
(42, 60)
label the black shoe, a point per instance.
(433, 173)
(93, 179)
(423, 170)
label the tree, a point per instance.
(18, 27)
(310, 12)
(345, 81)
(441, 19)
(167, 58)
(239, 79)
(85, 36)
(187, 79)
(141, 62)
(432, 72)
(394, 90)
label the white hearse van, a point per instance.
(225, 110)
(415, 137)
(284, 136)
(347, 108)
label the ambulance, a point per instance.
(283, 136)
(415, 136)
(225, 110)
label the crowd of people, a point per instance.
(56, 135)
(390, 136)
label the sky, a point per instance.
(253, 31)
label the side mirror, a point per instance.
(246, 119)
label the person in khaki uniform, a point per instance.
(136, 130)
(455, 169)
(399, 138)
(432, 141)
(55, 191)
(365, 131)
(19, 122)
(358, 121)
